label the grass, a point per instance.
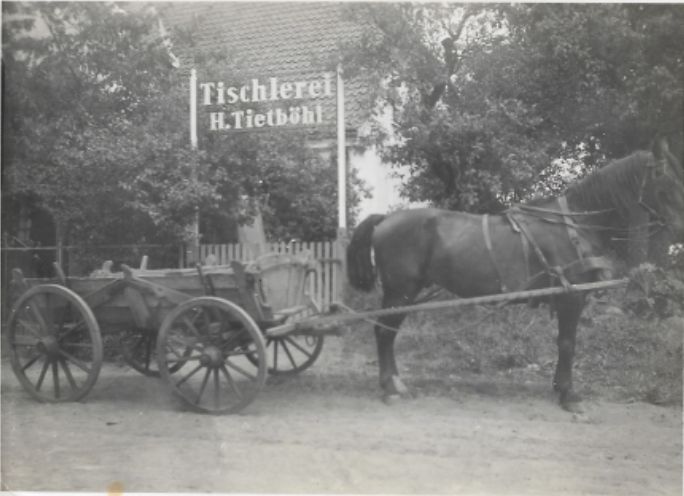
(619, 356)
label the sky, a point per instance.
(384, 187)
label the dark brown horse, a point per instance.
(546, 243)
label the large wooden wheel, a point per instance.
(54, 344)
(217, 375)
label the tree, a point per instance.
(486, 98)
(95, 131)
(292, 184)
(90, 131)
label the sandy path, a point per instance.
(308, 435)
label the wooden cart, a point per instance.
(213, 333)
(202, 330)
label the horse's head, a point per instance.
(667, 188)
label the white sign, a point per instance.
(275, 103)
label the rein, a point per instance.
(559, 217)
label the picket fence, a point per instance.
(325, 286)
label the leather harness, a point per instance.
(516, 217)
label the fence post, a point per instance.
(340, 265)
(59, 256)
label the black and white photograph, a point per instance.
(342, 247)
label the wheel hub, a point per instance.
(49, 346)
(211, 357)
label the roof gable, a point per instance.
(292, 40)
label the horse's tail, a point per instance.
(360, 269)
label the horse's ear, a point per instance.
(663, 157)
(660, 148)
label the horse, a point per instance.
(548, 242)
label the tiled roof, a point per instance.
(289, 40)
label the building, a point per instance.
(287, 54)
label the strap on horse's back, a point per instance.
(582, 247)
(492, 254)
(490, 250)
(555, 270)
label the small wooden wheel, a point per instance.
(55, 344)
(217, 375)
(289, 355)
(139, 351)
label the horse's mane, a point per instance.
(614, 186)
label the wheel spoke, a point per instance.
(30, 328)
(289, 355)
(67, 373)
(46, 365)
(148, 353)
(70, 331)
(81, 365)
(31, 362)
(191, 326)
(240, 369)
(175, 340)
(189, 375)
(55, 378)
(217, 388)
(238, 352)
(203, 386)
(82, 346)
(235, 336)
(23, 341)
(39, 317)
(230, 380)
(65, 315)
(298, 346)
(181, 359)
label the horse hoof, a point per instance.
(398, 386)
(391, 399)
(571, 402)
(572, 407)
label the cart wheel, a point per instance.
(55, 344)
(289, 355)
(139, 351)
(216, 376)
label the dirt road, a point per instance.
(326, 432)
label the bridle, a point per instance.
(656, 170)
(651, 174)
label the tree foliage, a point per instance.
(91, 123)
(95, 132)
(486, 98)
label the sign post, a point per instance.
(192, 255)
(341, 241)
(341, 157)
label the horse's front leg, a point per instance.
(385, 334)
(568, 308)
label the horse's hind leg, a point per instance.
(385, 334)
(569, 308)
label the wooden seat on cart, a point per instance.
(284, 280)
